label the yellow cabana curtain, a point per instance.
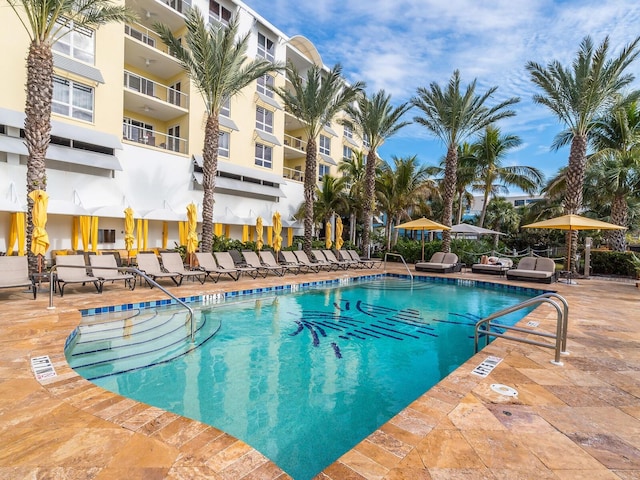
(145, 233)
(217, 229)
(182, 233)
(139, 235)
(85, 231)
(270, 236)
(75, 232)
(227, 231)
(16, 233)
(165, 234)
(289, 236)
(245, 233)
(252, 231)
(94, 234)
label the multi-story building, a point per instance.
(128, 130)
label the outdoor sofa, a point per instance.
(440, 262)
(495, 266)
(534, 269)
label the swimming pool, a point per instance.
(302, 377)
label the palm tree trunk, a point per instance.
(483, 214)
(352, 227)
(370, 193)
(575, 184)
(37, 126)
(619, 216)
(450, 178)
(209, 172)
(310, 175)
(459, 215)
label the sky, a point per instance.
(401, 45)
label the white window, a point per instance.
(139, 84)
(218, 13)
(223, 144)
(72, 99)
(79, 44)
(265, 85)
(347, 152)
(266, 48)
(323, 170)
(173, 138)
(263, 155)
(325, 145)
(175, 94)
(264, 119)
(348, 131)
(225, 110)
(138, 35)
(136, 131)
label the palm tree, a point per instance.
(577, 95)
(315, 100)
(452, 117)
(493, 177)
(46, 22)
(353, 172)
(614, 168)
(502, 216)
(216, 62)
(330, 198)
(375, 120)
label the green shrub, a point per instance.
(613, 263)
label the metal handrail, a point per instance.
(52, 278)
(561, 325)
(384, 267)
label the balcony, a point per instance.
(145, 51)
(153, 99)
(169, 12)
(153, 138)
(294, 147)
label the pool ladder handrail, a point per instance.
(384, 267)
(560, 336)
(52, 277)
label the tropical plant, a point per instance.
(216, 62)
(46, 22)
(315, 100)
(492, 176)
(353, 172)
(577, 95)
(452, 117)
(614, 168)
(330, 198)
(375, 120)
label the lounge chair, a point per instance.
(331, 258)
(267, 258)
(68, 271)
(343, 256)
(225, 260)
(149, 264)
(363, 261)
(104, 267)
(172, 262)
(14, 272)
(440, 262)
(208, 265)
(319, 257)
(496, 266)
(304, 265)
(254, 261)
(534, 269)
(320, 263)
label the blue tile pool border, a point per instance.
(219, 296)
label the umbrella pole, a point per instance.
(422, 245)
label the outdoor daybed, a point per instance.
(495, 266)
(534, 269)
(440, 263)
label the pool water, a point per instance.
(302, 377)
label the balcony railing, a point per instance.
(293, 174)
(156, 90)
(295, 142)
(180, 6)
(153, 138)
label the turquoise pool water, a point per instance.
(302, 377)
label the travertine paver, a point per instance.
(581, 420)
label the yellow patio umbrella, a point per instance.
(339, 227)
(259, 242)
(85, 231)
(75, 232)
(40, 238)
(573, 222)
(192, 223)
(129, 226)
(277, 230)
(94, 234)
(422, 224)
(327, 235)
(165, 234)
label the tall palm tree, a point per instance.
(577, 95)
(614, 168)
(375, 120)
(353, 172)
(330, 198)
(493, 177)
(452, 117)
(315, 100)
(217, 64)
(46, 22)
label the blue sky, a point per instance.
(404, 44)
